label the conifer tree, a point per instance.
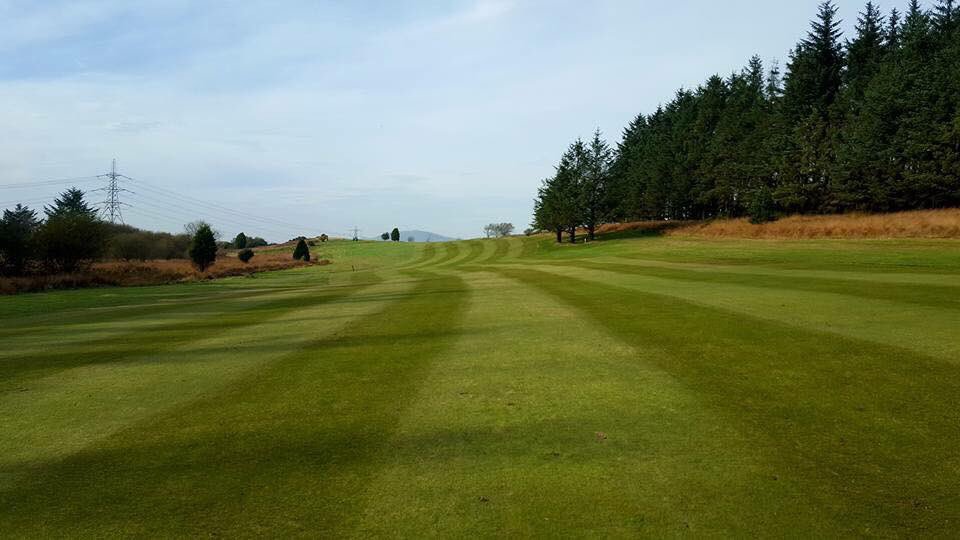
(946, 16)
(70, 201)
(18, 229)
(395, 234)
(864, 52)
(597, 157)
(892, 35)
(72, 235)
(203, 248)
(301, 251)
(240, 242)
(814, 74)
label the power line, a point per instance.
(28, 201)
(188, 214)
(199, 202)
(49, 182)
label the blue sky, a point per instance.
(322, 116)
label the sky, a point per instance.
(306, 117)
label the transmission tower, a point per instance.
(111, 204)
(356, 234)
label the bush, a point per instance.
(324, 237)
(301, 252)
(245, 255)
(203, 250)
(385, 236)
(132, 246)
(256, 242)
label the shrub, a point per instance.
(385, 236)
(245, 255)
(301, 252)
(324, 237)
(203, 250)
(133, 246)
(256, 241)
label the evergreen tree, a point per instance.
(18, 228)
(240, 242)
(598, 158)
(203, 248)
(865, 52)
(892, 35)
(70, 201)
(814, 74)
(395, 234)
(72, 235)
(301, 251)
(946, 16)
(385, 236)
(568, 181)
(546, 213)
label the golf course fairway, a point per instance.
(660, 386)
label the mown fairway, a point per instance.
(644, 386)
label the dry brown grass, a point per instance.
(916, 224)
(640, 226)
(134, 273)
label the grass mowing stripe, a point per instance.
(63, 412)
(92, 309)
(861, 421)
(474, 251)
(489, 248)
(927, 295)
(134, 345)
(501, 439)
(883, 322)
(451, 250)
(900, 278)
(285, 450)
(428, 252)
(503, 247)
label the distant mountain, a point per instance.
(424, 236)
(421, 236)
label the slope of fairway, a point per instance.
(653, 386)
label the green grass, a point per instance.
(634, 386)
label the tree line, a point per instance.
(70, 234)
(869, 123)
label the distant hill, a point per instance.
(421, 236)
